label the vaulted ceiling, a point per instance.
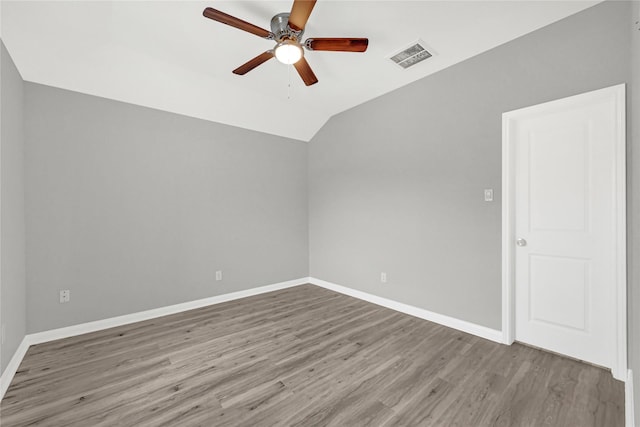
(166, 55)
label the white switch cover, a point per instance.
(65, 296)
(383, 277)
(219, 275)
(488, 195)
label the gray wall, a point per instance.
(13, 309)
(132, 208)
(396, 184)
(634, 207)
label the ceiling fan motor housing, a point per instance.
(281, 30)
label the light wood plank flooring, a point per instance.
(303, 356)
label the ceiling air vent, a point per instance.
(411, 55)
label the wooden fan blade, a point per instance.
(216, 15)
(250, 65)
(305, 71)
(300, 12)
(338, 44)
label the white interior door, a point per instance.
(566, 223)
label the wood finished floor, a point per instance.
(303, 356)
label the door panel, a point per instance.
(551, 184)
(565, 211)
(567, 279)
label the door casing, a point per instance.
(617, 93)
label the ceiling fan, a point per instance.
(286, 31)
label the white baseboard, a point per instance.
(628, 401)
(451, 322)
(98, 325)
(12, 367)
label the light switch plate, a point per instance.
(488, 194)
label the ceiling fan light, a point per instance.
(288, 52)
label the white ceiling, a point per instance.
(166, 55)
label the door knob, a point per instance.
(521, 242)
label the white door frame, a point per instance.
(617, 93)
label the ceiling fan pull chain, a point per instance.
(289, 81)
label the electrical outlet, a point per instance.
(383, 277)
(219, 275)
(65, 296)
(488, 195)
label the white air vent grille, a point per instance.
(411, 55)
